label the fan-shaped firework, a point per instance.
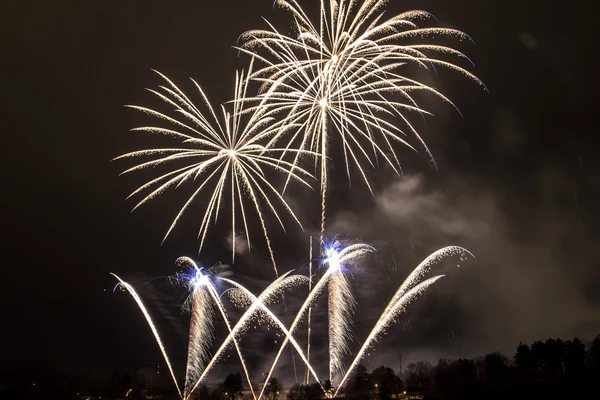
(337, 259)
(222, 156)
(202, 291)
(201, 309)
(341, 304)
(277, 287)
(344, 75)
(408, 291)
(204, 295)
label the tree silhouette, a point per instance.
(574, 357)
(305, 392)
(550, 369)
(328, 387)
(387, 382)
(524, 359)
(360, 383)
(232, 386)
(273, 389)
(203, 393)
(594, 355)
(297, 392)
(495, 368)
(554, 357)
(418, 376)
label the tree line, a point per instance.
(543, 369)
(550, 369)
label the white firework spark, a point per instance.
(384, 320)
(408, 291)
(337, 260)
(200, 303)
(201, 325)
(148, 318)
(222, 156)
(340, 305)
(200, 306)
(346, 76)
(342, 257)
(257, 305)
(256, 302)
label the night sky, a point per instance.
(517, 184)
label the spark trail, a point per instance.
(408, 291)
(344, 256)
(271, 292)
(308, 330)
(201, 327)
(344, 77)
(224, 157)
(341, 303)
(396, 308)
(195, 281)
(337, 259)
(278, 322)
(142, 308)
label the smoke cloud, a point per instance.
(530, 279)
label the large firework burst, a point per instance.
(224, 158)
(346, 76)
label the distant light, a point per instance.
(323, 102)
(335, 58)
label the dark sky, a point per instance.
(516, 182)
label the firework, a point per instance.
(340, 306)
(223, 157)
(278, 322)
(200, 302)
(308, 330)
(140, 304)
(256, 304)
(408, 290)
(347, 76)
(201, 324)
(338, 258)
